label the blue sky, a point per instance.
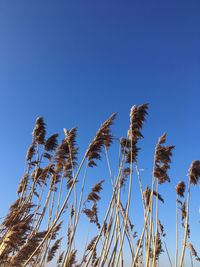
(77, 62)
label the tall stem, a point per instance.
(186, 227)
(176, 258)
(156, 233)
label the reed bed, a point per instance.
(42, 225)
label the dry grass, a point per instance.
(42, 225)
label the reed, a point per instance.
(53, 199)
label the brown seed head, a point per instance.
(161, 228)
(91, 244)
(103, 138)
(192, 250)
(31, 151)
(194, 172)
(162, 159)
(39, 131)
(51, 143)
(53, 249)
(60, 258)
(159, 249)
(180, 189)
(137, 118)
(159, 196)
(183, 211)
(146, 195)
(98, 187)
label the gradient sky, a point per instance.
(77, 62)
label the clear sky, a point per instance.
(77, 62)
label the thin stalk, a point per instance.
(38, 204)
(186, 227)
(176, 257)
(191, 259)
(143, 201)
(166, 249)
(156, 233)
(59, 197)
(27, 182)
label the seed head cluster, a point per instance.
(162, 159)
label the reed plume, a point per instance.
(31, 151)
(162, 159)
(39, 131)
(194, 172)
(53, 249)
(51, 143)
(102, 137)
(180, 189)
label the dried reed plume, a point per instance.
(39, 131)
(51, 143)
(60, 258)
(147, 193)
(159, 196)
(159, 249)
(137, 118)
(103, 137)
(23, 183)
(53, 249)
(161, 228)
(193, 251)
(180, 189)
(93, 195)
(91, 244)
(194, 170)
(162, 159)
(31, 151)
(183, 211)
(27, 249)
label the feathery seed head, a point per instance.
(102, 138)
(51, 143)
(162, 159)
(194, 172)
(180, 189)
(39, 131)
(31, 151)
